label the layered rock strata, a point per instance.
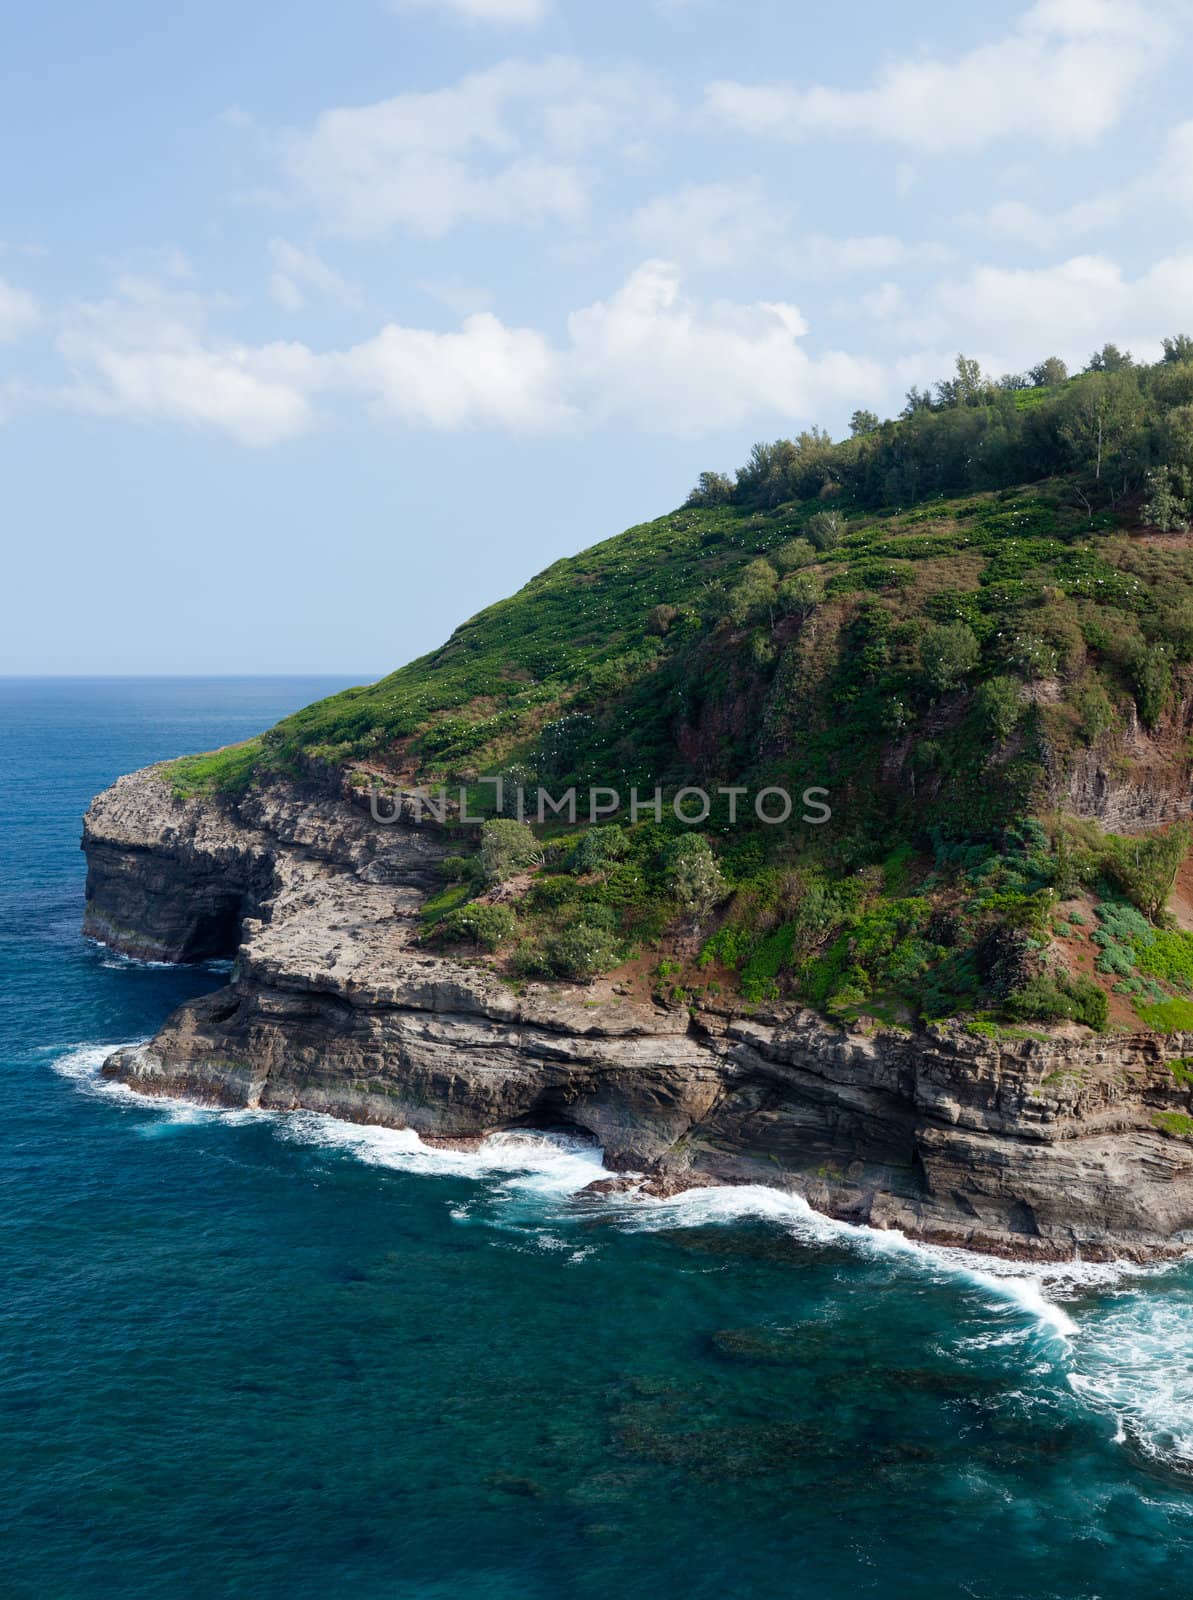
(1042, 1148)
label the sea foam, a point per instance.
(1125, 1349)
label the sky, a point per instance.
(321, 327)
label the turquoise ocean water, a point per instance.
(282, 1358)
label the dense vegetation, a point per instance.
(940, 620)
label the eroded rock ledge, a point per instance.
(1036, 1149)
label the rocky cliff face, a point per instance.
(1131, 780)
(1035, 1148)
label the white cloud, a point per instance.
(649, 356)
(298, 272)
(710, 225)
(1168, 183)
(668, 364)
(486, 375)
(144, 353)
(498, 146)
(457, 294)
(18, 311)
(821, 256)
(1063, 74)
(884, 302)
(1012, 219)
(720, 225)
(516, 11)
(1012, 317)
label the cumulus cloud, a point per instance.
(670, 364)
(1014, 316)
(486, 375)
(298, 273)
(710, 225)
(1063, 74)
(145, 353)
(498, 146)
(516, 11)
(18, 311)
(649, 355)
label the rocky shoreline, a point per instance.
(1040, 1149)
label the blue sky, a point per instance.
(321, 327)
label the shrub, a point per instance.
(826, 529)
(755, 592)
(599, 850)
(693, 876)
(1000, 705)
(486, 926)
(507, 847)
(1073, 998)
(801, 593)
(460, 869)
(1116, 958)
(1145, 869)
(794, 554)
(1094, 712)
(530, 960)
(1151, 679)
(1092, 1006)
(660, 619)
(948, 652)
(583, 951)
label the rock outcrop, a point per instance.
(1035, 1147)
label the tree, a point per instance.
(1098, 416)
(1110, 359)
(1178, 348)
(915, 401)
(967, 387)
(599, 850)
(1165, 509)
(754, 592)
(507, 847)
(801, 593)
(693, 876)
(948, 652)
(712, 489)
(826, 529)
(1145, 869)
(1050, 371)
(1000, 705)
(863, 422)
(794, 554)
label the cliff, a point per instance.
(1039, 1147)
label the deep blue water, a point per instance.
(269, 1357)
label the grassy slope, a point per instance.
(916, 900)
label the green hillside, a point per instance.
(939, 621)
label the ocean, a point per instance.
(277, 1357)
